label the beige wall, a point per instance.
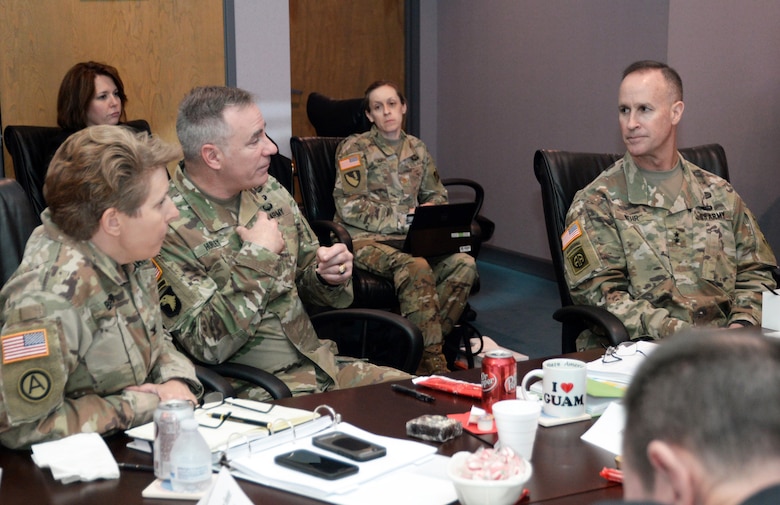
(162, 48)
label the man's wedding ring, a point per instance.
(342, 269)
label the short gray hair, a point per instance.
(201, 117)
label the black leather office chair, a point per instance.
(561, 174)
(17, 221)
(32, 148)
(282, 170)
(336, 118)
(315, 163)
(381, 337)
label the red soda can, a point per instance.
(499, 378)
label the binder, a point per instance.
(249, 454)
(378, 479)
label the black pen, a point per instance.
(413, 393)
(133, 466)
(231, 417)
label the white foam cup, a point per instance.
(517, 422)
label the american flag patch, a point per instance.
(349, 162)
(27, 345)
(573, 232)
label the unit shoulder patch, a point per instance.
(353, 174)
(580, 257)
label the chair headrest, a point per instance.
(336, 118)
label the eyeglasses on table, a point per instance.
(615, 353)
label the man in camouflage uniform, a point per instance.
(83, 346)
(241, 261)
(656, 240)
(381, 177)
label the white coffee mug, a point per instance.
(564, 387)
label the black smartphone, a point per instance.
(349, 446)
(316, 464)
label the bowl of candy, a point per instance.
(488, 476)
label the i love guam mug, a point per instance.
(564, 383)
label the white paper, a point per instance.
(607, 432)
(423, 484)
(770, 311)
(225, 491)
(623, 369)
(83, 456)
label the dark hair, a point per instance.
(715, 393)
(201, 117)
(670, 74)
(378, 84)
(77, 90)
(98, 168)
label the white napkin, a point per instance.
(81, 457)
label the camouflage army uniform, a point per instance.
(661, 265)
(228, 300)
(77, 329)
(375, 189)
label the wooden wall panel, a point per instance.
(338, 48)
(162, 48)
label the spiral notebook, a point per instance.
(238, 422)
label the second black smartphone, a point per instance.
(316, 464)
(348, 446)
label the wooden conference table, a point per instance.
(566, 469)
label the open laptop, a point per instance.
(437, 230)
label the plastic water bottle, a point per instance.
(190, 460)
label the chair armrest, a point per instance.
(327, 231)
(404, 346)
(486, 227)
(212, 381)
(613, 327)
(479, 192)
(268, 381)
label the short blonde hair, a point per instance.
(99, 168)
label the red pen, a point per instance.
(611, 474)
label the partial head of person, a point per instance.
(223, 135)
(650, 106)
(385, 106)
(703, 420)
(109, 185)
(91, 93)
